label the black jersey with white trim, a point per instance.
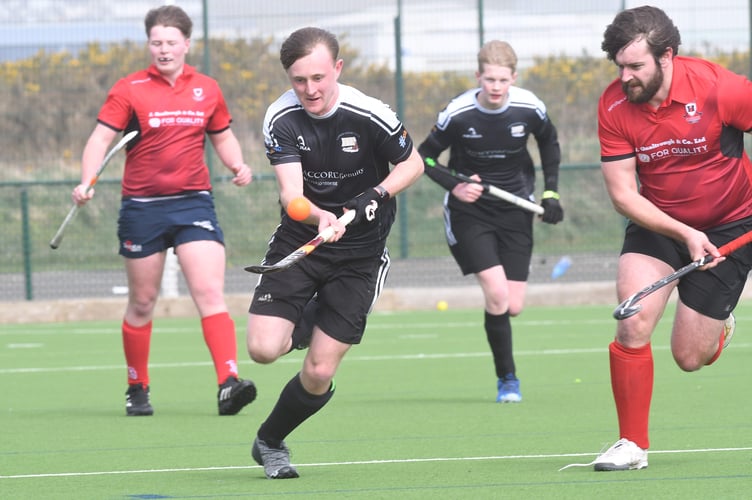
(493, 143)
(343, 153)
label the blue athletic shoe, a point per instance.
(509, 390)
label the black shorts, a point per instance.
(347, 281)
(150, 225)
(477, 245)
(714, 292)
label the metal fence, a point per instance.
(435, 36)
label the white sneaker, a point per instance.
(623, 455)
(729, 326)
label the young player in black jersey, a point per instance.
(487, 129)
(334, 145)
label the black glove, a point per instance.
(552, 211)
(366, 204)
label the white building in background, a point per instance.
(436, 35)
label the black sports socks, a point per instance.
(499, 335)
(293, 407)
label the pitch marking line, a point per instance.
(360, 462)
(296, 360)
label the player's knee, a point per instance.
(689, 361)
(141, 305)
(318, 374)
(634, 332)
(262, 356)
(261, 351)
(515, 309)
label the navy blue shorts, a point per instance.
(347, 281)
(714, 292)
(151, 225)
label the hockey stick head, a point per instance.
(626, 310)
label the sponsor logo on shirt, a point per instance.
(403, 139)
(672, 147)
(471, 134)
(177, 118)
(198, 94)
(302, 145)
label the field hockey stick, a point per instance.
(304, 250)
(488, 188)
(630, 307)
(55, 241)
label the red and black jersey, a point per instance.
(167, 156)
(690, 153)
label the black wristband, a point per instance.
(383, 193)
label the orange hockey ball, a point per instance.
(299, 208)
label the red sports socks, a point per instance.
(136, 342)
(632, 385)
(219, 335)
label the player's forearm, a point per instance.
(228, 149)
(404, 174)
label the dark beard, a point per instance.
(648, 90)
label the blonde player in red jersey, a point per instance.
(167, 200)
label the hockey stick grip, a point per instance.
(488, 188)
(735, 244)
(344, 219)
(515, 200)
(55, 241)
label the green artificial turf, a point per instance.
(413, 415)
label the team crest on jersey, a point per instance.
(349, 144)
(692, 115)
(517, 130)
(198, 94)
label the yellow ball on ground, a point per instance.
(442, 305)
(299, 208)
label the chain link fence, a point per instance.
(59, 58)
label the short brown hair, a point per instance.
(650, 23)
(498, 53)
(169, 15)
(302, 42)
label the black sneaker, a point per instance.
(276, 461)
(301, 335)
(137, 401)
(234, 394)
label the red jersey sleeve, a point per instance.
(117, 109)
(615, 144)
(735, 100)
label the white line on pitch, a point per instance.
(351, 359)
(360, 462)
